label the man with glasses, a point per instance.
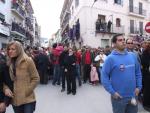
(130, 48)
(129, 45)
(121, 77)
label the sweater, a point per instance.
(121, 73)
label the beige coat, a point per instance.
(25, 81)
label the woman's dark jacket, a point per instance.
(69, 61)
(4, 79)
(145, 60)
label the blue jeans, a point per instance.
(25, 108)
(78, 72)
(100, 71)
(56, 74)
(63, 76)
(123, 106)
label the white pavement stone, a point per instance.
(89, 99)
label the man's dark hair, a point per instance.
(54, 45)
(114, 38)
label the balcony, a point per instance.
(29, 23)
(4, 30)
(65, 22)
(135, 30)
(18, 29)
(135, 11)
(29, 36)
(113, 30)
(18, 10)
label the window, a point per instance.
(2, 17)
(132, 26)
(101, 24)
(141, 27)
(4, 45)
(118, 22)
(102, 17)
(76, 3)
(140, 8)
(72, 9)
(131, 5)
(118, 2)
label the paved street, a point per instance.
(89, 99)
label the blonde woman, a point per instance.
(25, 78)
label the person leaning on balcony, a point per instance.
(121, 77)
(25, 78)
(109, 26)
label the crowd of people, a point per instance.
(123, 70)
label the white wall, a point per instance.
(88, 14)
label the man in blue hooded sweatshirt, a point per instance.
(121, 77)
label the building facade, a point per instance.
(94, 22)
(37, 33)
(17, 22)
(4, 27)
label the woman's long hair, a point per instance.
(20, 52)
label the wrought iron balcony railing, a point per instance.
(135, 30)
(137, 10)
(16, 7)
(113, 29)
(18, 28)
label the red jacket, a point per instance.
(56, 54)
(78, 57)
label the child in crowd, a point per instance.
(94, 74)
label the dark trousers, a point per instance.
(63, 78)
(43, 76)
(87, 69)
(146, 91)
(25, 108)
(99, 74)
(71, 81)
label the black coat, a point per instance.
(4, 79)
(41, 61)
(145, 60)
(62, 57)
(69, 61)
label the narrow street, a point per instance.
(89, 99)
